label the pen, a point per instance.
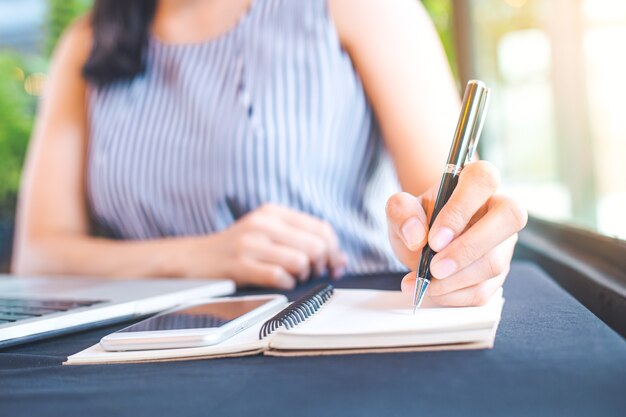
(471, 120)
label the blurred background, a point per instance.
(556, 127)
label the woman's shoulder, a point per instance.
(362, 21)
(70, 55)
(75, 44)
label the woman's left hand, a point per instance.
(474, 234)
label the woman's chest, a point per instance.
(230, 107)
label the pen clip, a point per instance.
(481, 115)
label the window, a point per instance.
(557, 122)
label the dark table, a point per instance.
(552, 357)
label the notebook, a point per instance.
(330, 321)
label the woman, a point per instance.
(237, 138)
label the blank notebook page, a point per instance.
(370, 312)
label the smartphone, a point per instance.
(201, 323)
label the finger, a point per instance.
(493, 264)
(337, 272)
(476, 295)
(268, 221)
(477, 183)
(315, 249)
(266, 275)
(407, 286)
(504, 218)
(407, 227)
(293, 261)
(332, 256)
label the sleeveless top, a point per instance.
(271, 111)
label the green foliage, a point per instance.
(17, 108)
(60, 14)
(17, 111)
(441, 13)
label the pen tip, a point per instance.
(420, 291)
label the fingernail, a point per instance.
(442, 238)
(443, 268)
(412, 232)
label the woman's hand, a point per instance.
(273, 246)
(474, 234)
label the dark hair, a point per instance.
(120, 38)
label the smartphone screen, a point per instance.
(201, 316)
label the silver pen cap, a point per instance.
(470, 123)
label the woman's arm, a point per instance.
(52, 227)
(272, 246)
(396, 51)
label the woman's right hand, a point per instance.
(272, 246)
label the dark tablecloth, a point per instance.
(552, 357)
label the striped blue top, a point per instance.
(272, 111)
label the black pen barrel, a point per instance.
(423, 270)
(448, 184)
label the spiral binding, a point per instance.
(298, 311)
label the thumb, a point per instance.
(407, 226)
